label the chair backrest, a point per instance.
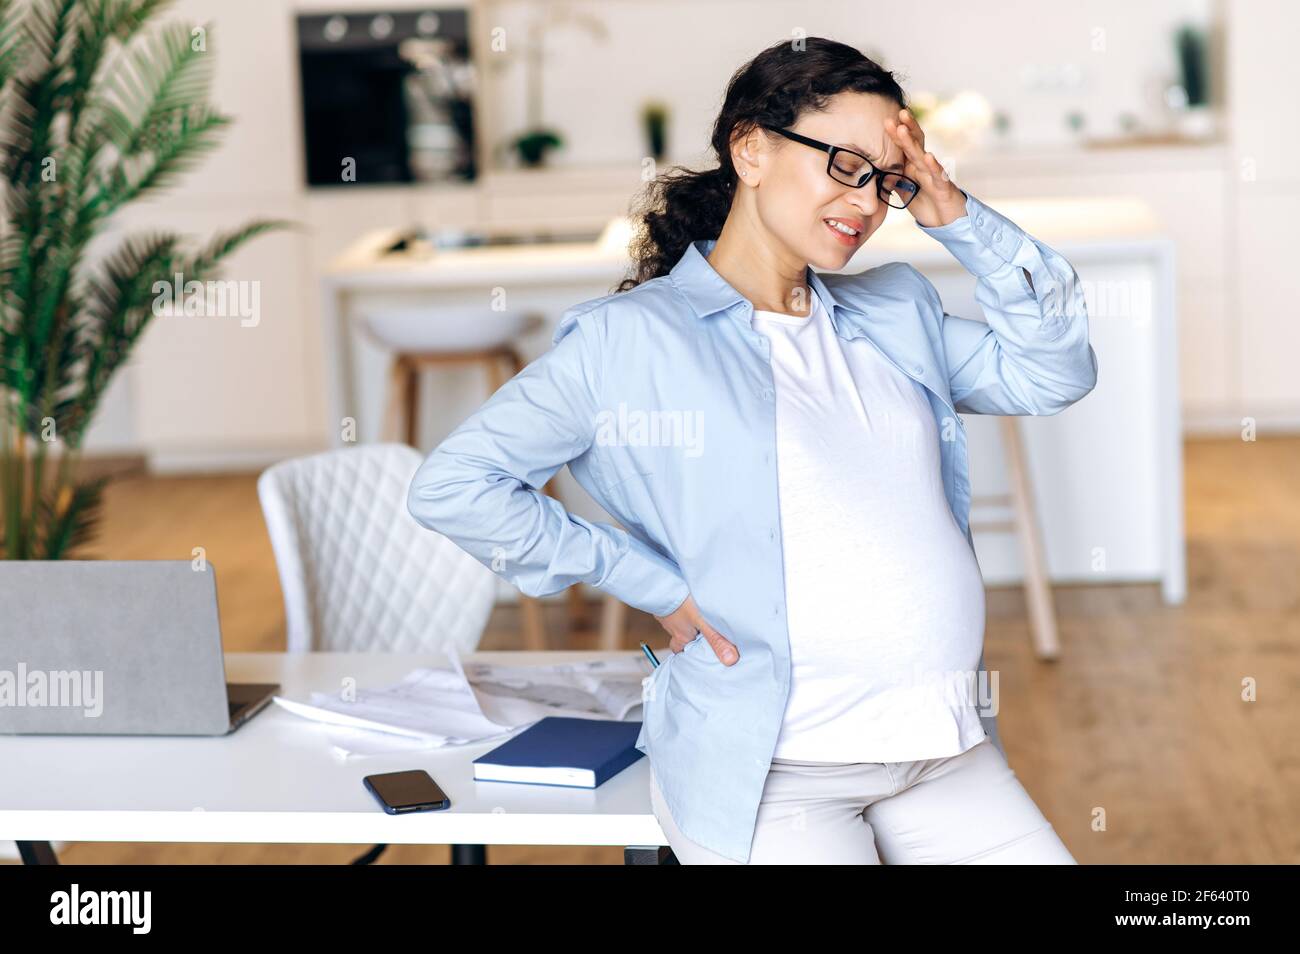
(358, 573)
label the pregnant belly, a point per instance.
(889, 618)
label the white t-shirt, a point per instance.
(885, 600)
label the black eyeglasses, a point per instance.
(856, 170)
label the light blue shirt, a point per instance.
(661, 400)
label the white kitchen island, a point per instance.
(1107, 471)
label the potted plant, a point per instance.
(1190, 97)
(98, 112)
(655, 116)
(532, 146)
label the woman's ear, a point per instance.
(743, 157)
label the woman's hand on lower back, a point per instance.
(685, 625)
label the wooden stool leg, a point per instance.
(1038, 588)
(411, 400)
(494, 374)
(392, 424)
(613, 623)
(534, 623)
(577, 607)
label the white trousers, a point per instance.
(963, 809)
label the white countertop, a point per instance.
(1055, 221)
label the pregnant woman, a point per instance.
(783, 454)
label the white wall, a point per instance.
(1021, 54)
(1264, 196)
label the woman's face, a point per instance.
(795, 198)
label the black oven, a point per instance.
(387, 97)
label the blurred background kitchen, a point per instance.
(459, 175)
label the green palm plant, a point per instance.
(98, 107)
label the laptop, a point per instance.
(102, 647)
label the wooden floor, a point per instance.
(1137, 744)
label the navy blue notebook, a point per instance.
(557, 750)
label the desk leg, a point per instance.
(469, 854)
(652, 855)
(37, 853)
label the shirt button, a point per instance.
(979, 220)
(917, 369)
(997, 236)
(771, 534)
(776, 610)
(767, 393)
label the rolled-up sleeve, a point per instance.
(1032, 355)
(479, 486)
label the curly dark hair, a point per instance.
(774, 88)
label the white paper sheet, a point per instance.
(433, 707)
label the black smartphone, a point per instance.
(413, 791)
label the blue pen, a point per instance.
(649, 654)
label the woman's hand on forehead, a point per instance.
(940, 201)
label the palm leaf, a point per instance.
(203, 264)
(69, 517)
(177, 142)
(118, 299)
(150, 82)
(11, 40)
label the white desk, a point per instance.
(275, 780)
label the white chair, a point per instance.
(358, 573)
